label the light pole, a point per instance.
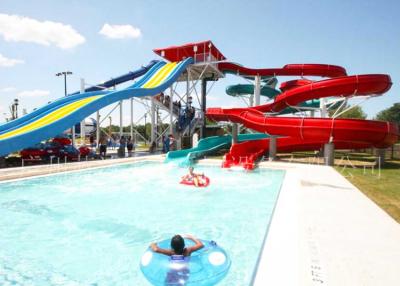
(64, 73)
(14, 109)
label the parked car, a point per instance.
(41, 151)
(69, 152)
(55, 148)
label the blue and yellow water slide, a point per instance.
(54, 118)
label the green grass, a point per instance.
(384, 191)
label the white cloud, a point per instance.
(16, 28)
(8, 89)
(34, 93)
(7, 62)
(120, 31)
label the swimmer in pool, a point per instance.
(178, 246)
(192, 176)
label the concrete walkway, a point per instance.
(40, 170)
(326, 232)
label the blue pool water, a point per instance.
(91, 227)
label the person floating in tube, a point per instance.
(178, 246)
(197, 179)
(179, 274)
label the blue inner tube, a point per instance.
(206, 266)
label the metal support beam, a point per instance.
(171, 110)
(272, 148)
(120, 119)
(235, 131)
(257, 89)
(83, 125)
(153, 121)
(131, 118)
(203, 106)
(322, 105)
(98, 130)
(329, 154)
(187, 85)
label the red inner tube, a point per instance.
(203, 182)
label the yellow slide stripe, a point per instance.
(156, 76)
(166, 73)
(49, 118)
(160, 74)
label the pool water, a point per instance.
(92, 227)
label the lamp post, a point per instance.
(64, 73)
(14, 109)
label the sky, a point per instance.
(98, 40)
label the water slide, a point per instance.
(207, 146)
(120, 79)
(310, 133)
(59, 115)
(246, 89)
(321, 70)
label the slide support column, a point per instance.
(203, 107)
(131, 118)
(257, 89)
(272, 148)
(235, 131)
(83, 135)
(329, 154)
(120, 118)
(171, 110)
(322, 106)
(98, 130)
(153, 120)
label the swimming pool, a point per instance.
(91, 227)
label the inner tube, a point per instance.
(206, 266)
(204, 182)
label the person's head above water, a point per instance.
(191, 169)
(178, 244)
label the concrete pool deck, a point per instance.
(324, 231)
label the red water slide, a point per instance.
(310, 133)
(322, 70)
(356, 85)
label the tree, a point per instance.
(391, 114)
(355, 113)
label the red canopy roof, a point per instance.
(199, 51)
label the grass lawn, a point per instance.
(384, 191)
